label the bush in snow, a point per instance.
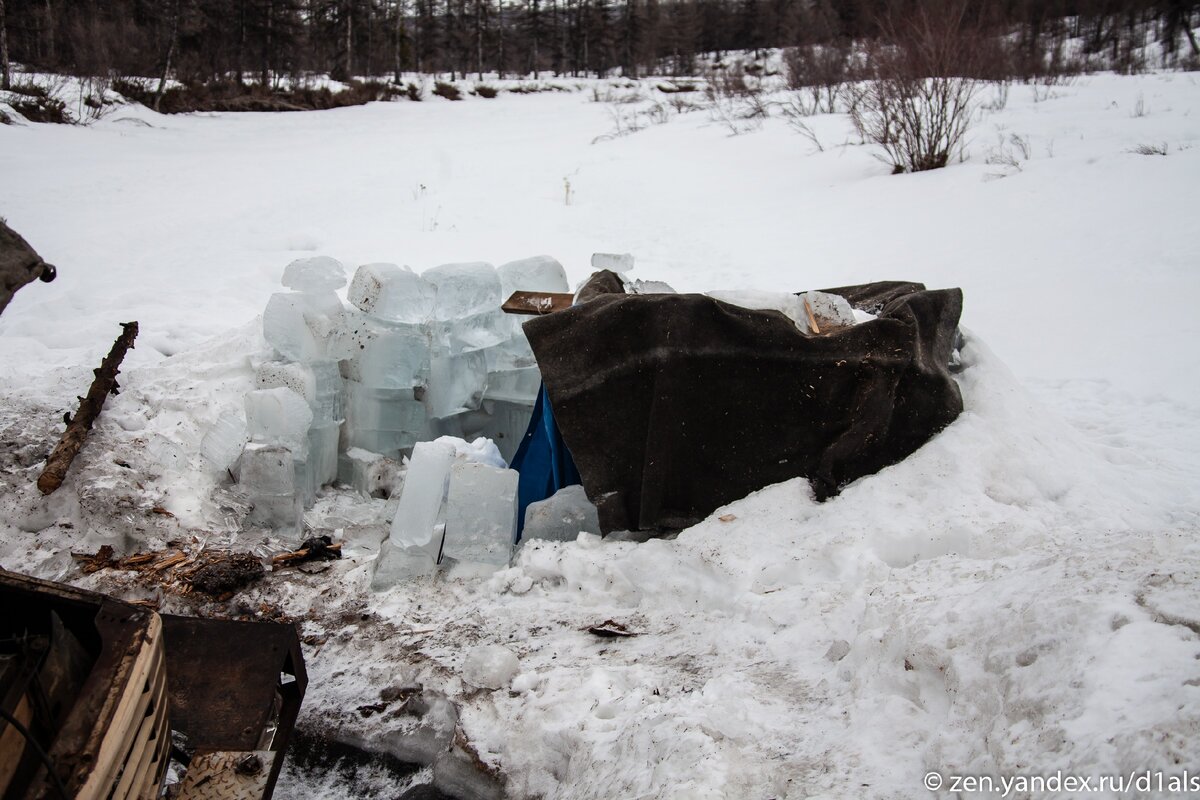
(919, 97)
(447, 90)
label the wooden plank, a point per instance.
(812, 321)
(537, 303)
(132, 706)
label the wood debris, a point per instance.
(610, 629)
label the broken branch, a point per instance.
(89, 408)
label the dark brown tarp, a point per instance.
(19, 264)
(673, 405)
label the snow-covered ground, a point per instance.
(1019, 597)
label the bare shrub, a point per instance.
(414, 92)
(1009, 153)
(918, 101)
(447, 90)
(485, 91)
(736, 99)
(999, 99)
(1150, 149)
(37, 103)
(820, 71)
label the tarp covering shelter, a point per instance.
(673, 405)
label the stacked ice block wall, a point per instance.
(413, 357)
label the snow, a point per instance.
(1018, 597)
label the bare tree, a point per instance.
(5, 78)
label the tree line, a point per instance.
(203, 41)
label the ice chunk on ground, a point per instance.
(423, 496)
(278, 416)
(464, 289)
(166, 453)
(300, 326)
(267, 473)
(831, 310)
(396, 563)
(561, 517)
(617, 262)
(319, 274)
(490, 666)
(223, 442)
(535, 274)
(363, 538)
(392, 293)
(456, 383)
(481, 514)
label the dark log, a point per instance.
(89, 408)
(19, 264)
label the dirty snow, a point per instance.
(1019, 597)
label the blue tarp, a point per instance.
(543, 460)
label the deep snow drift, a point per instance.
(1019, 597)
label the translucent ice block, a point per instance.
(536, 274)
(267, 469)
(322, 454)
(503, 424)
(481, 513)
(289, 375)
(386, 356)
(561, 517)
(373, 474)
(319, 274)
(223, 442)
(318, 382)
(383, 409)
(278, 416)
(789, 304)
(300, 325)
(282, 513)
(423, 496)
(456, 383)
(329, 401)
(392, 293)
(475, 331)
(514, 352)
(464, 289)
(617, 262)
(392, 444)
(514, 385)
(830, 310)
(167, 454)
(640, 286)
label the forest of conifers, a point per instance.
(205, 40)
